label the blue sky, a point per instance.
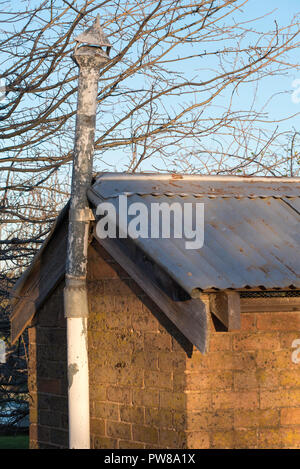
(278, 89)
(282, 12)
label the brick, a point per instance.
(100, 442)
(127, 304)
(280, 398)
(146, 397)
(290, 438)
(172, 400)
(198, 400)
(256, 418)
(33, 444)
(125, 444)
(219, 342)
(130, 376)
(118, 430)
(230, 361)
(32, 382)
(50, 336)
(52, 369)
(244, 439)
(116, 320)
(119, 394)
(274, 360)
(267, 378)
(198, 362)
(106, 410)
(107, 271)
(161, 418)
(244, 360)
(105, 375)
(208, 420)
(117, 287)
(269, 438)
(152, 446)
(33, 414)
(279, 321)
(98, 427)
(180, 381)
(245, 380)
(290, 416)
(64, 421)
(145, 434)
(287, 338)
(46, 319)
(59, 437)
(255, 379)
(169, 361)
(290, 378)
(239, 439)
(197, 421)
(32, 333)
(180, 420)
(248, 322)
(158, 379)
(39, 433)
(51, 402)
(168, 438)
(124, 339)
(98, 260)
(97, 392)
(203, 381)
(50, 418)
(144, 321)
(114, 359)
(132, 414)
(146, 360)
(157, 341)
(257, 341)
(221, 380)
(49, 386)
(235, 400)
(223, 440)
(220, 419)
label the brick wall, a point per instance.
(47, 376)
(150, 389)
(246, 392)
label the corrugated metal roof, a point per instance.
(251, 228)
(113, 184)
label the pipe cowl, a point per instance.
(90, 57)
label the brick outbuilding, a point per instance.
(187, 348)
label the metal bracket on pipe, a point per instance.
(75, 298)
(83, 214)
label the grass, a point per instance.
(14, 442)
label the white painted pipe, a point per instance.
(78, 378)
(89, 60)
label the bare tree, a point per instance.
(167, 99)
(13, 372)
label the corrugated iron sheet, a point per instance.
(113, 184)
(251, 229)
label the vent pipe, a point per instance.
(90, 58)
